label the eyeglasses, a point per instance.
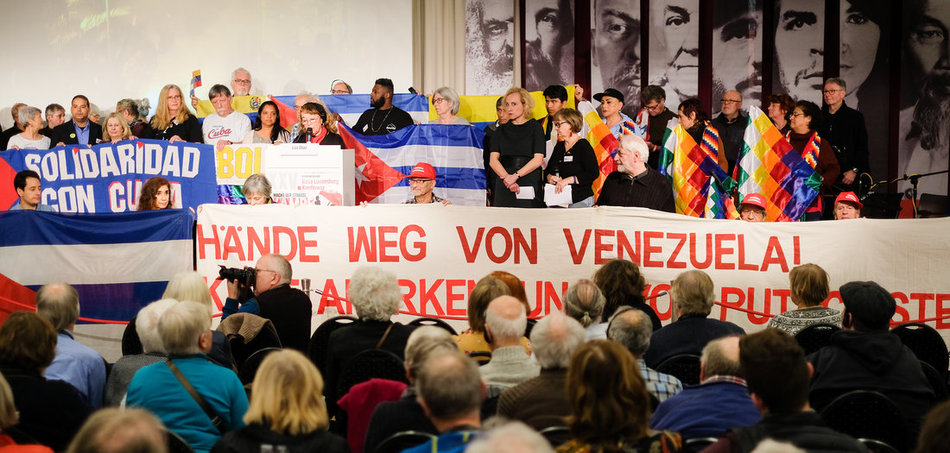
(264, 270)
(437, 101)
(243, 81)
(559, 123)
(793, 115)
(832, 90)
(731, 101)
(652, 107)
(311, 120)
(418, 180)
(174, 97)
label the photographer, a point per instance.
(273, 298)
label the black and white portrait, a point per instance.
(924, 144)
(489, 46)
(615, 50)
(737, 50)
(549, 43)
(799, 49)
(674, 49)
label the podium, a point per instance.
(306, 174)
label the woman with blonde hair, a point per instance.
(115, 128)
(517, 151)
(173, 121)
(286, 411)
(809, 289)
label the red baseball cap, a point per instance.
(849, 197)
(754, 199)
(422, 170)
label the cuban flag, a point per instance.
(117, 262)
(351, 106)
(383, 162)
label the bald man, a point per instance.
(505, 322)
(288, 308)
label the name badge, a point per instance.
(568, 158)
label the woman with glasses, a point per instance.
(695, 121)
(573, 162)
(446, 102)
(313, 119)
(173, 121)
(804, 122)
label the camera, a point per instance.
(247, 276)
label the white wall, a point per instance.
(113, 49)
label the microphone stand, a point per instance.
(914, 181)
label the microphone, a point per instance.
(309, 135)
(661, 293)
(412, 90)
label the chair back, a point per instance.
(371, 363)
(403, 440)
(556, 435)
(529, 326)
(697, 444)
(684, 367)
(865, 414)
(876, 446)
(249, 369)
(482, 357)
(426, 321)
(936, 381)
(926, 343)
(131, 344)
(815, 337)
(317, 347)
(247, 334)
(176, 444)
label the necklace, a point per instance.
(373, 120)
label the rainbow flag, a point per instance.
(700, 187)
(600, 138)
(770, 166)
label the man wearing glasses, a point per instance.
(731, 124)
(654, 102)
(844, 129)
(288, 308)
(421, 183)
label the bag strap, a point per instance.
(385, 335)
(216, 419)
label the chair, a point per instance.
(865, 414)
(684, 367)
(425, 321)
(926, 343)
(249, 369)
(482, 357)
(317, 348)
(247, 334)
(936, 381)
(876, 446)
(815, 337)
(529, 326)
(556, 435)
(371, 363)
(403, 440)
(932, 205)
(131, 344)
(699, 443)
(176, 444)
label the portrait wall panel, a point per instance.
(549, 43)
(798, 63)
(489, 46)
(615, 49)
(737, 50)
(674, 49)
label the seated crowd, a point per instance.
(593, 378)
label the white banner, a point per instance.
(439, 252)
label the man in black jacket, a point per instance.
(79, 130)
(844, 128)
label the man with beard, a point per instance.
(616, 47)
(737, 49)
(844, 129)
(679, 22)
(421, 183)
(490, 35)
(924, 127)
(383, 118)
(548, 58)
(800, 48)
(634, 184)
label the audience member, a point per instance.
(695, 122)
(731, 123)
(134, 112)
(935, 432)
(30, 190)
(720, 402)
(288, 308)
(511, 437)
(634, 184)
(10, 417)
(146, 326)
(115, 128)
(490, 287)
(75, 363)
(693, 294)
(267, 128)
(156, 194)
(611, 406)
(631, 328)
(780, 105)
(55, 115)
(391, 118)
(162, 388)
(172, 120)
(447, 102)
(51, 411)
(753, 208)
(31, 137)
(516, 154)
(573, 163)
(375, 295)
(257, 189)
(654, 102)
(584, 302)
(115, 430)
(15, 129)
(843, 127)
(809, 288)
(775, 369)
(192, 286)
(541, 402)
(847, 206)
(338, 86)
(505, 322)
(406, 414)
(611, 103)
(555, 96)
(803, 137)
(225, 126)
(451, 395)
(79, 130)
(286, 412)
(865, 355)
(316, 127)
(421, 183)
(622, 284)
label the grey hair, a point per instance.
(555, 338)
(584, 302)
(26, 113)
(146, 324)
(450, 95)
(53, 108)
(716, 361)
(182, 325)
(188, 285)
(375, 293)
(633, 334)
(137, 108)
(511, 437)
(837, 81)
(635, 145)
(58, 303)
(450, 386)
(218, 90)
(349, 89)
(257, 183)
(241, 69)
(425, 342)
(282, 266)
(308, 95)
(693, 292)
(504, 329)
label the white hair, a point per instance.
(146, 324)
(241, 69)
(511, 437)
(635, 145)
(555, 338)
(504, 329)
(375, 293)
(27, 113)
(449, 94)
